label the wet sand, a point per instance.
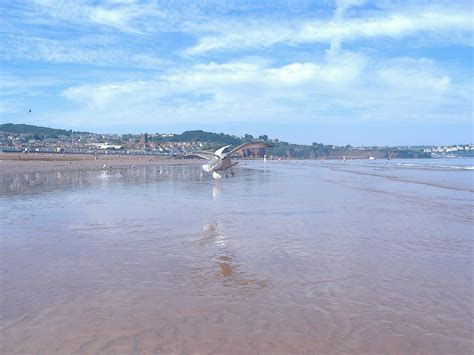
(286, 257)
(13, 163)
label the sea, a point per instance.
(285, 257)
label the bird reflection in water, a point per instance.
(216, 192)
(225, 260)
(225, 263)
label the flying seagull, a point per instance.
(221, 160)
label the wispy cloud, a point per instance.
(115, 62)
(16, 91)
(98, 51)
(126, 16)
(343, 87)
(436, 22)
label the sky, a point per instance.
(356, 72)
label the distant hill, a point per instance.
(207, 137)
(216, 140)
(34, 130)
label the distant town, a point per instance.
(22, 138)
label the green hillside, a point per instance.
(33, 130)
(200, 136)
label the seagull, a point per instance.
(29, 111)
(221, 160)
(216, 175)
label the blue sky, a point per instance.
(342, 72)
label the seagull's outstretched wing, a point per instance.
(201, 155)
(250, 145)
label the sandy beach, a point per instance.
(13, 163)
(294, 257)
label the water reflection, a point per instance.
(229, 270)
(301, 259)
(225, 262)
(37, 182)
(216, 191)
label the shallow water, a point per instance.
(285, 257)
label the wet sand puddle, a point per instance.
(287, 257)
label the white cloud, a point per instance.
(409, 74)
(125, 16)
(12, 85)
(97, 50)
(104, 95)
(17, 92)
(295, 81)
(233, 77)
(435, 21)
(343, 5)
(343, 87)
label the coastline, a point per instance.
(14, 163)
(36, 162)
